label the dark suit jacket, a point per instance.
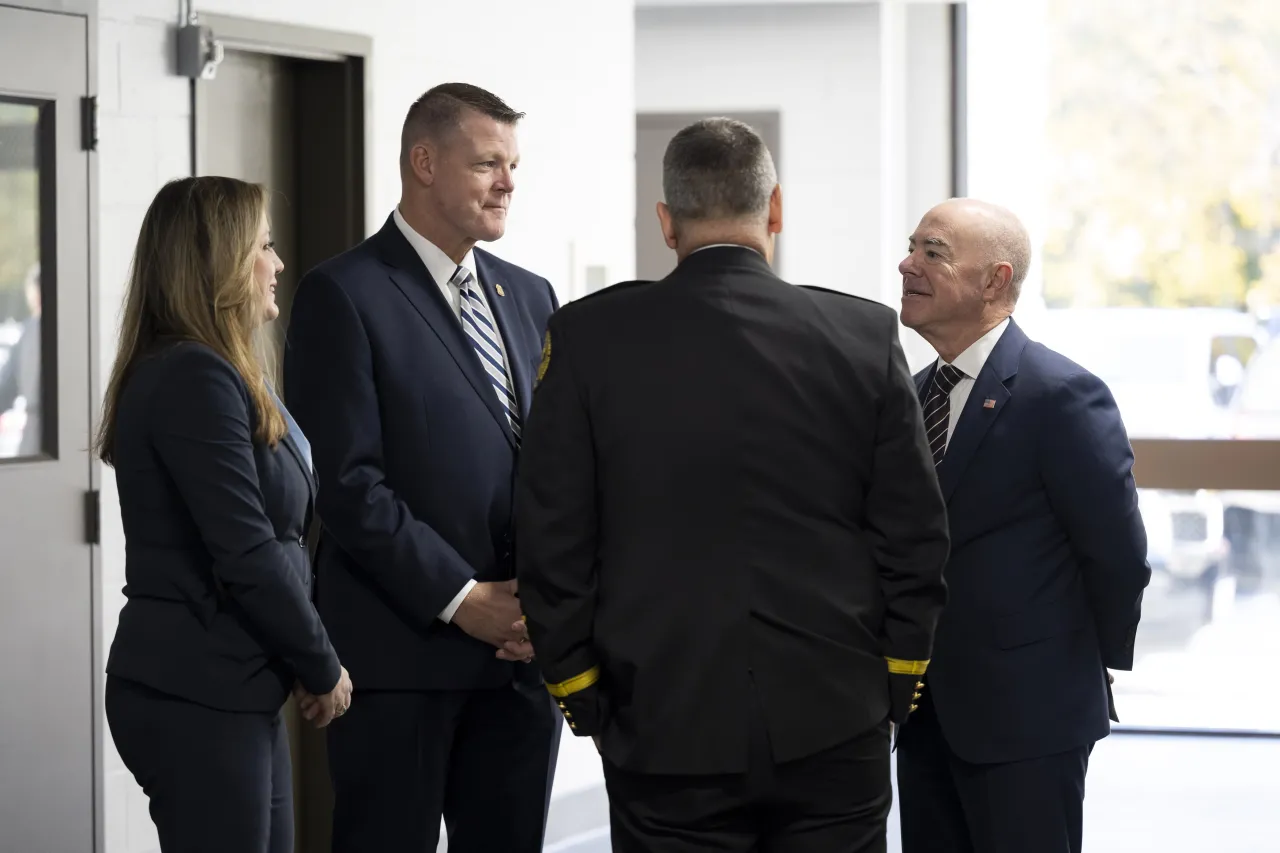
(415, 457)
(1048, 558)
(217, 578)
(726, 480)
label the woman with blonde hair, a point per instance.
(216, 491)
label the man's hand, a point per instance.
(322, 710)
(517, 650)
(491, 612)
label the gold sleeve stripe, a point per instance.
(907, 667)
(575, 684)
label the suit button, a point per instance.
(302, 542)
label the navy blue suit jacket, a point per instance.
(1048, 558)
(415, 458)
(218, 583)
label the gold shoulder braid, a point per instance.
(546, 358)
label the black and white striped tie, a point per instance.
(478, 323)
(937, 409)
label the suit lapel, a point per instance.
(410, 275)
(987, 401)
(923, 378)
(506, 315)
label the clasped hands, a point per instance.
(320, 711)
(491, 612)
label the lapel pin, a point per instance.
(498, 288)
(988, 404)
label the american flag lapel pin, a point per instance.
(988, 403)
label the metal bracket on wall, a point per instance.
(199, 53)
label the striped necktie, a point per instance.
(937, 409)
(478, 323)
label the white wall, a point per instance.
(1008, 114)
(567, 63)
(817, 66)
(863, 90)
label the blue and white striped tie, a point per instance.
(484, 335)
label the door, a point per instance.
(47, 705)
(244, 127)
(653, 132)
(293, 125)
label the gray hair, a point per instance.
(1007, 241)
(717, 168)
(1011, 243)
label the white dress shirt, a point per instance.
(725, 245)
(442, 269)
(970, 363)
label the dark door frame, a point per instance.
(329, 215)
(330, 212)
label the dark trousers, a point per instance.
(484, 759)
(217, 780)
(951, 806)
(836, 800)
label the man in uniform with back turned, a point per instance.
(730, 538)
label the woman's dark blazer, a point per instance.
(217, 577)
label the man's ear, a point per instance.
(424, 160)
(775, 210)
(667, 224)
(998, 283)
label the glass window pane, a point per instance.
(1211, 616)
(21, 285)
(1144, 151)
(1140, 142)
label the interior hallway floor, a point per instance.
(1146, 794)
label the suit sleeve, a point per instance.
(557, 534)
(551, 292)
(1088, 472)
(907, 524)
(331, 390)
(203, 436)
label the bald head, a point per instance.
(964, 271)
(996, 231)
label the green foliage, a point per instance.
(1164, 141)
(19, 214)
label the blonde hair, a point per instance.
(192, 279)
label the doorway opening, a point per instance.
(653, 132)
(286, 109)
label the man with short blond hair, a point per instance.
(409, 365)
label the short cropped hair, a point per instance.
(439, 112)
(717, 169)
